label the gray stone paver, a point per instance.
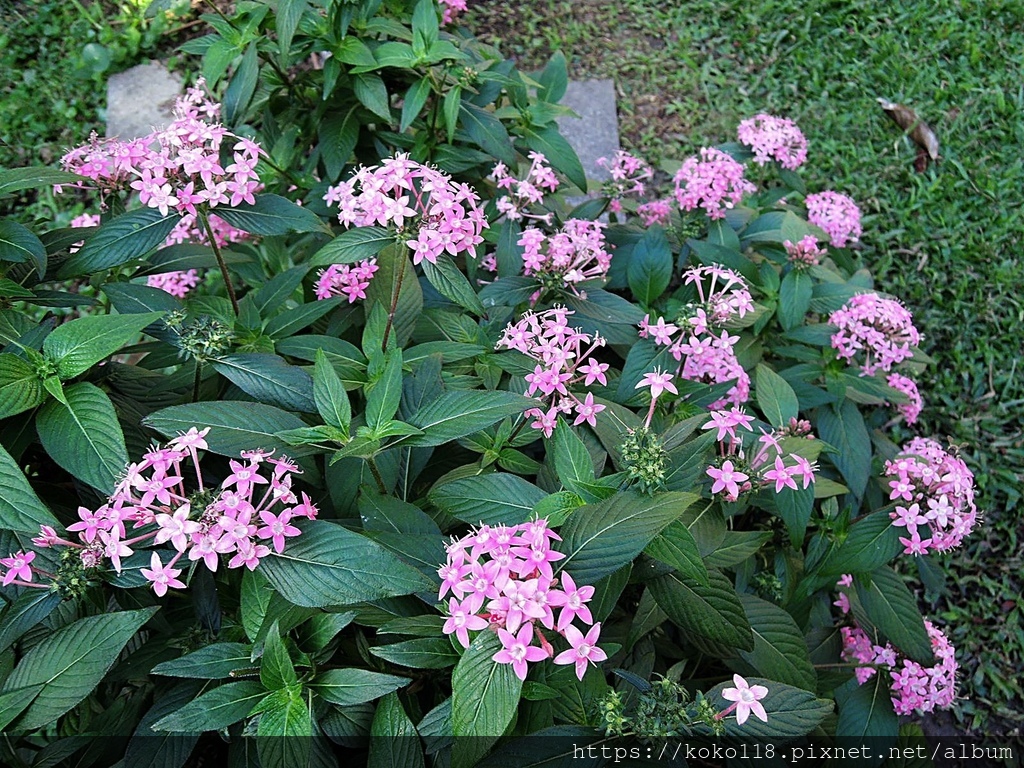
(141, 99)
(595, 133)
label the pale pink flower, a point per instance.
(162, 577)
(584, 649)
(747, 699)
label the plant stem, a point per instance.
(395, 292)
(197, 381)
(220, 261)
(377, 476)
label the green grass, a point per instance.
(947, 241)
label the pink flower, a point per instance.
(880, 328)
(176, 528)
(47, 537)
(774, 138)
(277, 527)
(584, 649)
(19, 566)
(460, 621)
(572, 600)
(249, 554)
(727, 478)
(517, 650)
(587, 411)
(781, 475)
(713, 181)
(162, 577)
(747, 699)
(658, 382)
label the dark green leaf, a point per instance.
(866, 711)
(794, 298)
(452, 284)
(559, 153)
(235, 426)
(216, 709)
(271, 215)
(393, 738)
(329, 565)
(713, 612)
(20, 387)
(84, 437)
(211, 662)
(676, 546)
(457, 414)
(554, 79)
(16, 179)
(845, 431)
(601, 538)
(792, 712)
(775, 397)
(18, 244)
(129, 236)
(490, 499)
(329, 394)
(384, 390)
(870, 543)
(413, 102)
(242, 87)
(780, 652)
(421, 653)
(373, 94)
(488, 133)
(346, 687)
(890, 608)
(78, 345)
(269, 379)
(71, 662)
(352, 246)
(27, 610)
(650, 266)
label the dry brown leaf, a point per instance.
(914, 127)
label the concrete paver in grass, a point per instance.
(141, 99)
(595, 133)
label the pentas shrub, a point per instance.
(399, 486)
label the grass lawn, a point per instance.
(947, 241)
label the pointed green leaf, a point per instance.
(780, 652)
(713, 612)
(490, 499)
(329, 394)
(457, 414)
(20, 387)
(216, 709)
(211, 662)
(129, 236)
(452, 284)
(346, 687)
(271, 215)
(269, 379)
(78, 345)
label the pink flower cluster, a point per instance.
(910, 410)
(203, 523)
(805, 253)
(452, 8)
(883, 329)
(179, 167)
(696, 340)
(175, 283)
(573, 255)
(774, 138)
(914, 686)
(350, 280)
(629, 175)
(433, 214)
(654, 212)
(936, 491)
(501, 577)
(713, 181)
(837, 214)
(736, 473)
(525, 192)
(562, 356)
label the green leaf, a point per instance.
(16, 179)
(71, 662)
(792, 712)
(794, 298)
(559, 153)
(133, 299)
(147, 749)
(20, 387)
(601, 538)
(216, 709)
(386, 513)
(487, 132)
(242, 87)
(713, 612)
(329, 394)
(395, 276)
(13, 703)
(346, 687)
(27, 610)
(373, 94)
(384, 390)
(452, 102)
(846, 432)
(650, 266)
(780, 652)
(870, 543)
(289, 14)
(129, 236)
(556, 507)
(494, 498)
(393, 738)
(276, 668)
(18, 244)
(329, 565)
(84, 437)
(276, 291)
(293, 320)
(211, 662)
(78, 345)
(271, 215)
(352, 246)
(573, 465)
(457, 414)
(183, 256)
(413, 102)
(866, 711)
(420, 653)
(425, 27)
(485, 697)
(890, 608)
(452, 284)
(795, 508)
(736, 547)
(285, 728)
(339, 134)
(775, 397)
(269, 379)
(235, 426)
(554, 79)
(676, 546)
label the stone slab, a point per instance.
(595, 133)
(141, 99)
